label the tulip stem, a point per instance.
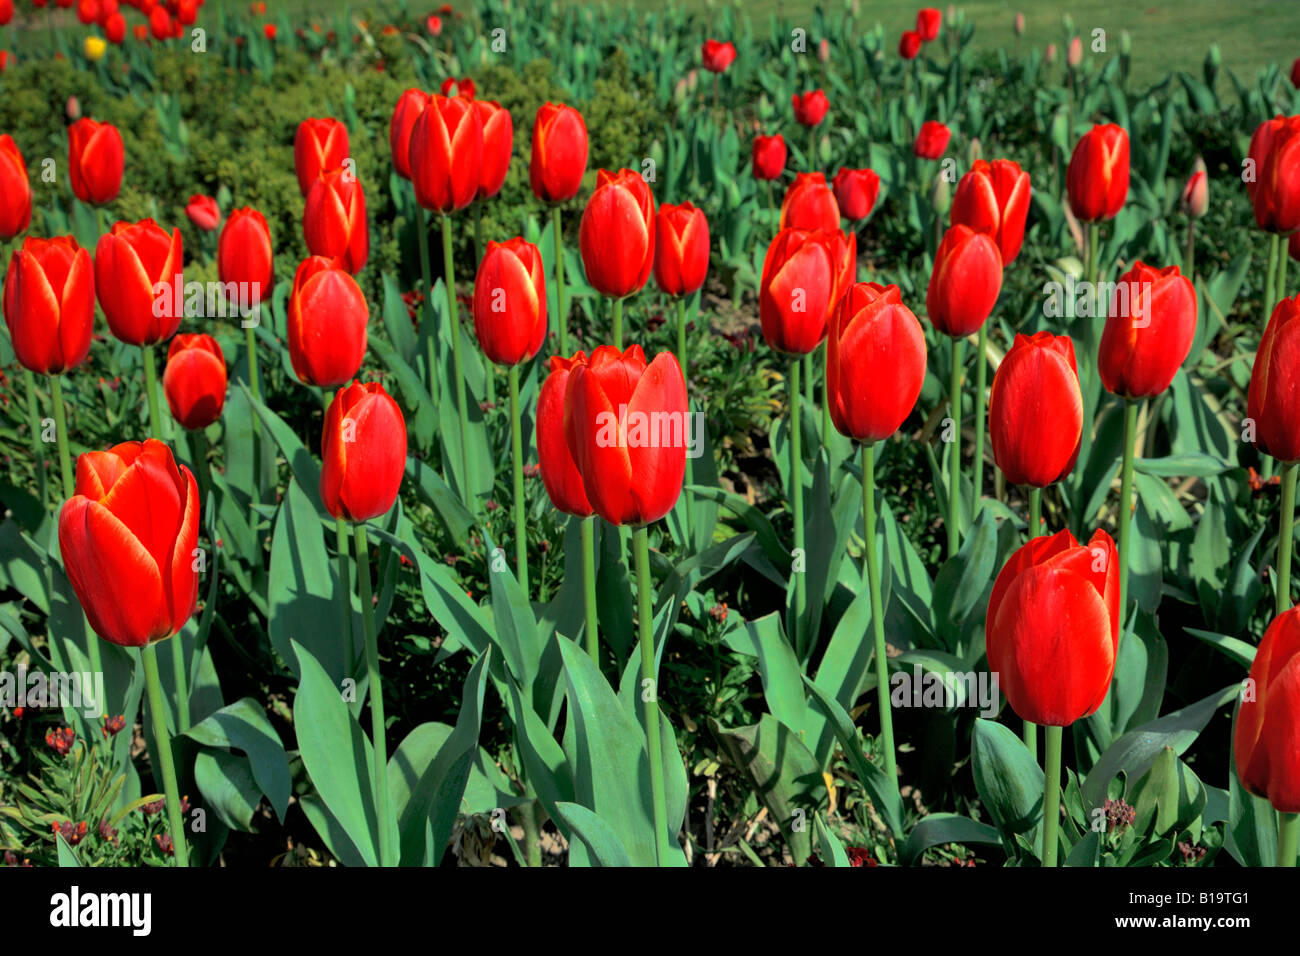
(453, 317)
(1051, 793)
(426, 304)
(589, 586)
(877, 609)
(1279, 284)
(796, 501)
(618, 324)
(377, 727)
(517, 461)
(1029, 732)
(61, 435)
(1094, 236)
(38, 446)
(684, 359)
(645, 624)
(1288, 838)
(1285, 542)
(1126, 506)
(1189, 263)
(808, 379)
(151, 390)
(1270, 291)
(561, 317)
(345, 597)
(162, 740)
(981, 380)
(954, 453)
(254, 380)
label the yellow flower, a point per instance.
(95, 47)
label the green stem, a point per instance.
(796, 500)
(153, 686)
(250, 345)
(345, 596)
(1094, 236)
(532, 834)
(954, 453)
(38, 446)
(589, 586)
(641, 549)
(517, 460)
(426, 303)
(618, 324)
(1126, 507)
(684, 359)
(151, 390)
(1288, 838)
(1029, 732)
(1270, 291)
(826, 399)
(61, 435)
(981, 379)
(877, 609)
(378, 731)
(808, 379)
(181, 680)
(1051, 793)
(453, 316)
(561, 317)
(1285, 542)
(478, 234)
(1279, 284)
(1189, 261)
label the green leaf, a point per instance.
(228, 788)
(778, 666)
(1007, 777)
(1196, 464)
(243, 726)
(829, 847)
(940, 828)
(601, 842)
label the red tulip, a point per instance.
(1149, 330)
(6, 12)
(463, 88)
(617, 233)
(128, 538)
(115, 28)
(1052, 630)
(626, 425)
(769, 156)
(1273, 402)
(7, 60)
(244, 254)
(717, 56)
(269, 30)
(559, 153)
(810, 108)
(856, 191)
(408, 109)
(1074, 53)
(909, 45)
(875, 362)
(928, 21)
(1295, 73)
(334, 220)
(994, 198)
(160, 24)
(319, 146)
(363, 452)
(446, 154)
(203, 212)
(433, 23)
(559, 471)
(15, 191)
(498, 144)
(1275, 194)
(932, 140)
(803, 278)
(1036, 410)
(49, 304)
(510, 302)
(1097, 178)
(95, 161)
(138, 278)
(327, 322)
(681, 248)
(1265, 745)
(809, 204)
(194, 380)
(1195, 198)
(965, 281)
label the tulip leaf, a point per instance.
(1196, 464)
(513, 622)
(599, 839)
(1235, 649)
(829, 847)
(415, 399)
(1007, 777)
(243, 726)
(777, 665)
(456, 518)
(226, 782)
(941, 828)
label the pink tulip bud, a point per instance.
(1050, 55)
(1196, 194)
(1075, 55)
(1020, 24)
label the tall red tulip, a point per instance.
(994, 198)
(498, 146)
(363, 452)
(681, 248)
(617, 233)
(559, 159)
(559, 471)
(1266, 741)
(928, 21)
(138, 278)
(1097, 178)
(856, 192)
(810, 204)
(334, 220)
(203, 212)
(95, 161)
(627, 428)
(964, 282)
(803, 278)
(327, 322)
(769, 156)
(1036, 410)
(932, 140)
(194, 380)
(127, 537)
(15, 190)
(909, 45)
(446, 154)
(408, 109)
(510, 302)
(717, 56)
(1275, 193)
(1052, 628)
(319, 146)
(49, 304)
(1273, 402)
(810, 107)
(1149, 330)
(875, 362)
(245, 256)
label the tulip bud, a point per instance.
(681, 248)
(932, 141)
(804, 275)
(1098, 174)
(138, 276)
(15, 190)
(498, 146)
(244, 254)
(327, 320)
(810, 108)
(363, 452)
(559, 159)
(1074, 56)
(1018, 25)
(1196, 194)
(1263, 741)
(717, 56)
(824, 50)
(810, 204)
(617, 234)
(975, 151)
(49, 304)
(510, 302)
(334, 220)
(994, 198)
(909, 45)
(1275, 194)
(1273, 401)
(194, 380)
(1213, 60)
(559, 471)
(928, 21)
(1036, 411)
(203, 212)
(940, 196)
(1049, 57)
(1067, 22)
(408, 109)
(1125, 43)
(965, 281)
(319, 145)
(1149, 330)
(95, 161)
(72, 109)
(769, 157)
(856, 192)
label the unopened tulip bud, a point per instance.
(1020, 24)
(1050, 55)
(1125, 43)
(1196, 194)
(824, 51)
(976, 150)
(1074, 56)
(951, 17)
(941, 195)
(1067, 22)
(73, 109)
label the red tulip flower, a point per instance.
(909, 45)
(194, 380)
(334, 219)
(408, 109)
(809, 204)
(1275, 194)
(49, 304)
(138, 278)
(559, 471)
(769, 156)
(319, 146)
(115, 28)
(498, 145)
(1149, 330)
(810, 108)
(15, 190)
(875, 362)
(559, 159)
(717, 56)
(803, 278)
(681, 248)
(1097, 178)
(327, 322)
(1264, 743)
(160, 24)
(244, 254)
(856, 192)
(1036, 410)
(1295, 73)
(510, 302)
(932, 141)
(994, 198)
(203, 212)
(446, 154)
(928, 21)
(965, 281)
(1195, 198)
(617, 233)
(269, 30)
(95, 161)
(1052, 630)
(626, 426)
(363, 452)
(1273, 402)
(6, 12)
(128, 537)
